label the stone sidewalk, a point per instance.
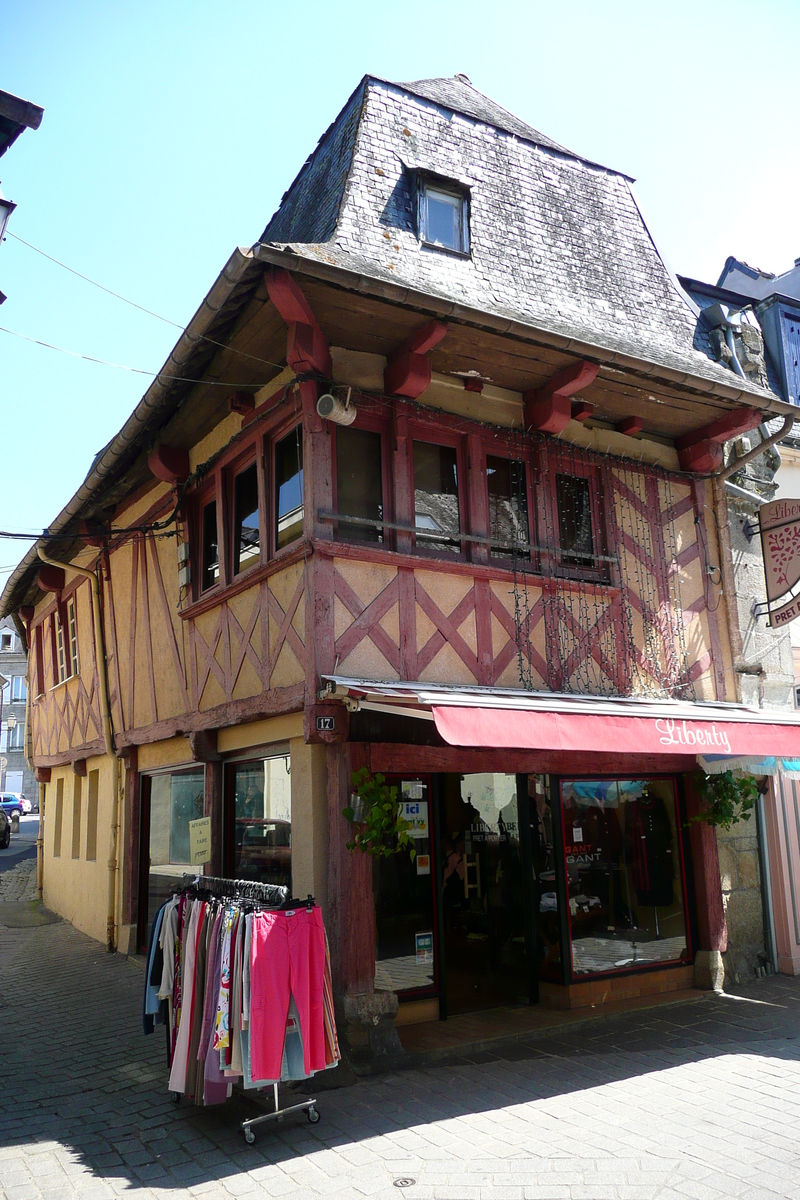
(698, 1099)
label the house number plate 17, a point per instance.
(326, 724)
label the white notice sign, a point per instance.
(200, 841)
(416, 813)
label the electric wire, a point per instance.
(134, 370)
(149, 311)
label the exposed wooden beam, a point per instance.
(701, 450)
(630, 425)
(731, 425)
(408, 371)
(549, 408)
(306, 347)
(169, 464)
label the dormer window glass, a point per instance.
(444, 217)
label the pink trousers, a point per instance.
(287, 957)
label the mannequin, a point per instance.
(649, 844)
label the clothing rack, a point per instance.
(273, 895)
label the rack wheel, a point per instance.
(312, 1115)
(249, 1136)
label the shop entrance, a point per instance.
(453, 923)
(484, 897)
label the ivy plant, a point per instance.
(378, 829)
(726, 799)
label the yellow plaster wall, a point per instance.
(171, 752)
(75, 888)
(309, 820)
(260, 733)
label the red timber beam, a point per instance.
(169, 464)
(701, 450)
(630, 426)
(408, 371)
(51, 579)
(306, 347)
(549, 408)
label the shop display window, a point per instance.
(171, 801)
(624, 872)
(404, 901)
(259, 806)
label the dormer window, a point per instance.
(444, 215)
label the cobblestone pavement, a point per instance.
(19, 882)
(694, 1099)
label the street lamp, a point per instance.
(6, 209)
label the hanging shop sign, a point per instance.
(779, 523)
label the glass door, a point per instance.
(485, 893)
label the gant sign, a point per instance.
(686, 733)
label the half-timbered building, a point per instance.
(430, 485)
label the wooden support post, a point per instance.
(351, 910)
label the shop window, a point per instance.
(359, 484)
(76, 816)
(289, 488)
(210, 546)
(436, 507)
(624, 875)
(246, 526)
(58, 823)
(259, 821)
(19, 688)
(170, 802)
(405, 910)
(91, 816)
(508, 506)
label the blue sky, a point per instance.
(172, 129)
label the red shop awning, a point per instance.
(508, 728)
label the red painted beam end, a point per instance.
(241, 402)
(702, 457)
(630, 425)
(50, 578)
(581, 410)
(169, 464)
(407, 374)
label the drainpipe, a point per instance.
(737, 464)
(108, 738)
(737, 366)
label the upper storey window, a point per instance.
(444, 216)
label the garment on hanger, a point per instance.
(245, 992)
(649, 834)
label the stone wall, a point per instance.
(740, 874)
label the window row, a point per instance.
(242, 519)
(59, 635)
(254, 508)
(12, 735)
(15, 691)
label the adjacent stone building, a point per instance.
(15, 774)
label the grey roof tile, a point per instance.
(556, 241)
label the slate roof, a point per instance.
(557, 242)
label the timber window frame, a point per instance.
(443, 214)
(430, 547)
(568, 562)
(375, 533)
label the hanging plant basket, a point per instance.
(726, 799)
(375, 817)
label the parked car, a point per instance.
(15, 802)
(5, 830)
